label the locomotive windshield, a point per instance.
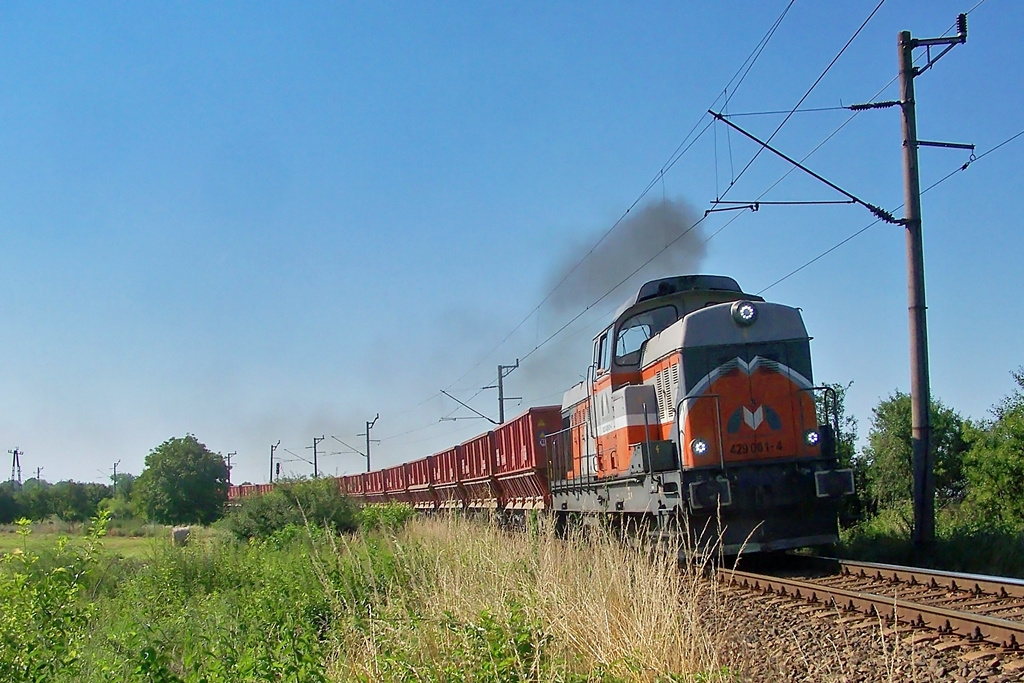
(699, 361)
(638, 329)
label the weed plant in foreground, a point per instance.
(469, 602)
(425, 599)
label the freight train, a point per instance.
(696, 424)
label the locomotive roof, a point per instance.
(680, 283)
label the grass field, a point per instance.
(437, 600)
(123, 546)
(440, 600)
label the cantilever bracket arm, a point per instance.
(878, 211)
(468, 407)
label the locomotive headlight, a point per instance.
(744, 313)
(812, 437)
(699, 446)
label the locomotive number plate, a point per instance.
(756, 447)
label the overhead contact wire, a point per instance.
(809, 91)
(938, 182)
(684, 146)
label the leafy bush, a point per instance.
(45, 620)
(888, 455)
(995, 464)
(314, 502)
(119, 508)
(964, 541)
(215, 611)
(386, 516)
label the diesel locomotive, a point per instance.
(697, 421)
(697, 424)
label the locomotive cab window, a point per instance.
(602, 352)
(638, 329)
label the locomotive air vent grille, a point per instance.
(666, 382)
(729, 365)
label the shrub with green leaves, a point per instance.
(386, 516)
(995, 464)
(313, 502)
(44, 622)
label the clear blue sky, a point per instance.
(255, 222)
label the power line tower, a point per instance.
(113, 481)
(228, 459)
(503, 372)
(369, 426)
(16, 464)
(316, 442)
(273, 447)
(920, 389)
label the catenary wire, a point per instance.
(653, 183)
(864, 229)
(687, 143)
(783, 111)
(741, 74)
(646, 190)
(808, 93)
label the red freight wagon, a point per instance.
(240, 491)
(421, 484)
(395, 483)
(521, 457)
(375, 488)
(476, 472)
(445, 468)
(343, 485)
(264, 488)
(357, 485)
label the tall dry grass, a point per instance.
(462, 600)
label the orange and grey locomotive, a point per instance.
(697, 422)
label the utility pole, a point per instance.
(39, 474)
(16, 464)
(316, 442)
(503, 372)
(920, 390)
(273, 447)
(369, 426)
(228, 458)
(113, 481)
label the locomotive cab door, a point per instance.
(600, 409)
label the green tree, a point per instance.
(69, 501)
(35, 499)
(184, 482)
(123, 485)
(10, 509)
(832, 403)
(995, 464)
(888, 457)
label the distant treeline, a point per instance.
(70, 501)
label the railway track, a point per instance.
(983, 615)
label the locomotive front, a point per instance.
(758, 469)
(698, 421)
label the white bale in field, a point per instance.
(179, 535)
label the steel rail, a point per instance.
(975, 627)
(978, 584)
